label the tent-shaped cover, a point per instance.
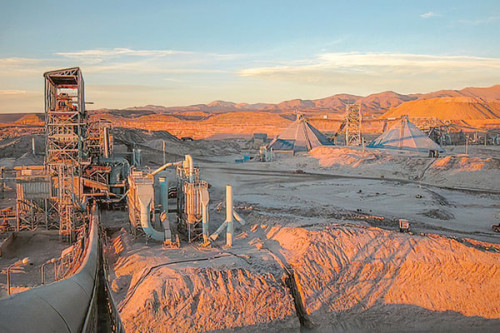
(406, 136)
(299, 136)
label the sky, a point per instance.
(184, 52)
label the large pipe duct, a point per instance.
(62, 306)
(164, 207)
(190, 167)
(145, 195)
(163, 167)
(204, 198)
(164, 193)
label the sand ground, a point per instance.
(321, 250)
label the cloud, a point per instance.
(487, 20)
(12, 92)
(120, 52)
(428, 15)
(392, 71)
(99, 56)
(125, 55)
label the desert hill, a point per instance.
(448, 108)
(473, 107)
(373, 105)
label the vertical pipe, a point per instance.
(164, 193)
(229, 216)
(205, 223)
(33, 145)
(189, 161)
(204, 199)
(42, 272)
(106, 141)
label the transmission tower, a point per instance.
(352, 125)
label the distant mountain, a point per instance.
(373, 105)
(336, 102)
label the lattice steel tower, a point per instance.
(66, 124)
(352, 125)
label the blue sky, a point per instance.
(187, 52)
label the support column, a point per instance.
(229, 216)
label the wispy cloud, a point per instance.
(377, 62)
(383, 70)
(486, 20)
(120, 52)
(99, 56)
(130, 55)
(428, 15)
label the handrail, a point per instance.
(58, 307)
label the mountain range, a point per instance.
(373, 105)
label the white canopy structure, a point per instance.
(405, 136)
(299, 136)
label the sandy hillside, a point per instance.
(205, 290)
(399, 280)
(448, 108)
(481, 171)
(350, 278)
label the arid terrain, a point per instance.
(470, 107)
(321, 249)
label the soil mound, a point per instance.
(344, 272)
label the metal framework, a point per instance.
(77, 161)
(66, 123)
(189, 202)
(353, 125)
(99, 141)
(34, 191)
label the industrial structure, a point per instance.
(80, 173)
(353, 125)
(77, 166)
(148, 202)
(80, 168)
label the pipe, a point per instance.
(106, 142)
(163, 167)
(217, 232)
(204, 198)
(239, 218)
(229, 216)
(164, 207)
(164, 193)
(51, 261)
(144, 205)
(189, 161)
